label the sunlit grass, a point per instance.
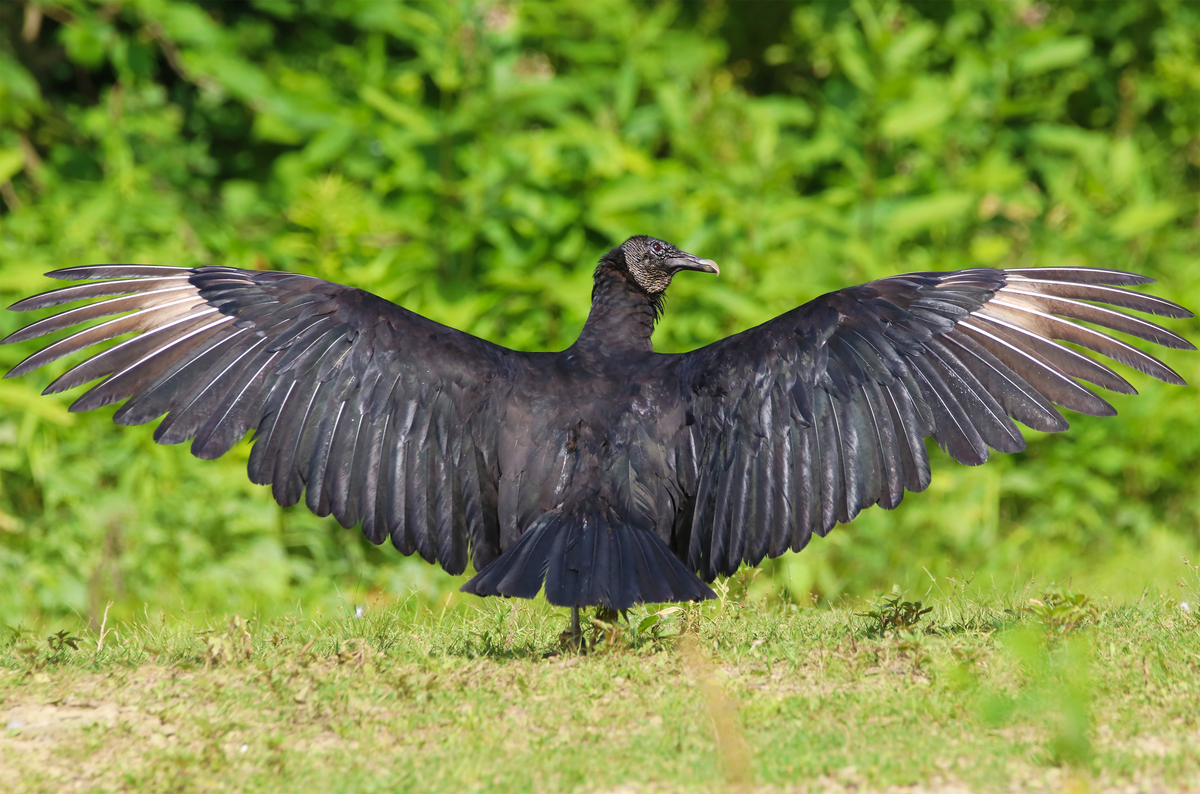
(1038, 687)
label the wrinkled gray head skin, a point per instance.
(653, 262)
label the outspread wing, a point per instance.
(379, 414)
(808, 419)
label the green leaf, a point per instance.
(11, 163)
(16, 83)
(788, 111)
(1143, 218)
(407, 117)
(989, 249)
(849, 46)
(86, 41)
(917, 115)
(1125, 162)
(647, 623)
(19, 397)
(1053, 54)
(189, 24)
(911, 41)
(1068, 138)
(917, 215)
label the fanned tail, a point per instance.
(589, 558)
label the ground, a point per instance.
(1039, 690)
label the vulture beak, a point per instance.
(689, 262)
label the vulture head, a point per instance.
(653, 262)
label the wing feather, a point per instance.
(866, 374)
(366, 410)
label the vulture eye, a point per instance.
(656, 249)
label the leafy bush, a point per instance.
(472, 160)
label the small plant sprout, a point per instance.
(1063, 611)
(893, 613)
(652, 621)
(62, 639)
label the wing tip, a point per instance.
(1085, 275)
(80, 272)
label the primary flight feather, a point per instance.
(607, 473)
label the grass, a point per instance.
(1035, 689)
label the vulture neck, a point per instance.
(622, 316)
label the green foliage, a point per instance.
(62, 639)
(471, 160)
(1062, 611)
(893, 614)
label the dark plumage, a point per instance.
(609, 472)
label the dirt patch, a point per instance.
(40, 720)
(42, 740)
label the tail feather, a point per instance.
(522, 576)
(564, 559)
(627, 571)
(674, 577)
(589, 558)
(595, 576)
(651, 579)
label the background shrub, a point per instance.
(471, 160)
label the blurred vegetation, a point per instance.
(471, 160)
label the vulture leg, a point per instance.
(572, 638)
(576, 640)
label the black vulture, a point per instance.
(607, 473)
